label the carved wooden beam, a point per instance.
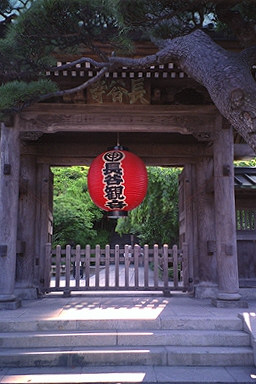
(51, 118)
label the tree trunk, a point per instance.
(226, 75)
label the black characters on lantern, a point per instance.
(113, 180)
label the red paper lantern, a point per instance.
(117, 181)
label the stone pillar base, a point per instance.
(12, 304)
(7, 297)
(26, 293)
(206, 290)
(229, 303)
(228, 296)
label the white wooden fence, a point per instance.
(129, 269)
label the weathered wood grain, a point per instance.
(26, 223)
(9, 192)
(225, 222)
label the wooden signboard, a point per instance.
(120, 91)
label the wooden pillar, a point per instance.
(194, 232)
(25, 287)
(43, 220)
(206, 286)
(9, 191)
(187, 219)
(225, 224)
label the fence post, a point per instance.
(166, 290)
(47, 271)
(77, 265)
(87, 265)
(67, 262)
(126, 265)
(97, 266)
(58, 266)
(136, 265)
(175, 266)
(107, 262)
(156, 265)
(117, 252)
(146, 262)
(185, 269)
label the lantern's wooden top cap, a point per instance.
(118, 148)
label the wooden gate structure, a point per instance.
(116, 269)
(165, 118)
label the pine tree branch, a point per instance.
(79, 88)
(82, 60)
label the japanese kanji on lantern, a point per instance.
(117, 181)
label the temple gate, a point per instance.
(162, 116)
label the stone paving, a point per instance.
(124, 308)
(120, 306)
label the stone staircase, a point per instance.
(195, 342)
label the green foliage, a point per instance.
(34, 32)
(4, 5)
(156, 219)
(247, 9)
(78, 221)
(163, 18)
(76, 218)
(43, 28)
(49, 26)
(245, 163)
(15, 93)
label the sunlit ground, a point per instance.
(148, 309)
(134, 375)
(104, 377)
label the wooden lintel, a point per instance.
(51, 118)
(91, 150)
(152, 152)
(171, 155)
(86, 161)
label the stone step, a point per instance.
(129, 374)
(124, 338)
(200, 323)
(117, 355)
(210, 356)
(184, 338)
(196, 323)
